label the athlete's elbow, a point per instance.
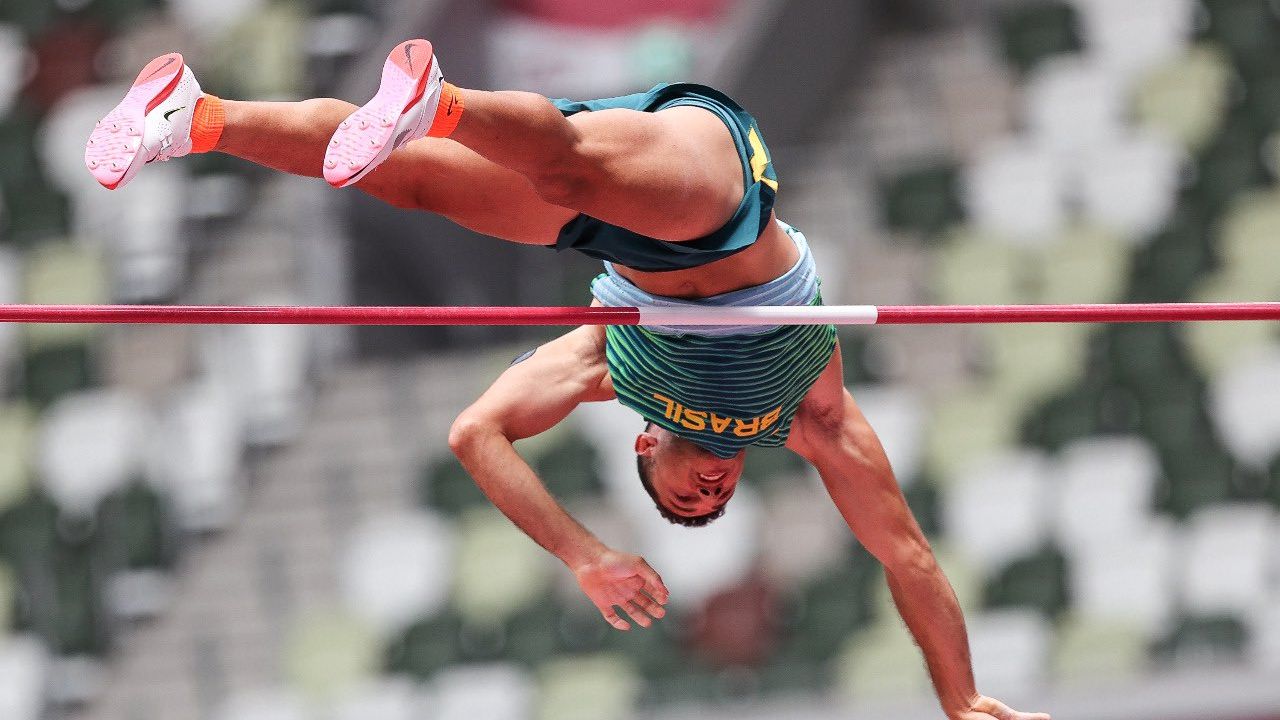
(467, 432)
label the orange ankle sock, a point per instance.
(448, 112)
(206, 123)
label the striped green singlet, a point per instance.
(723, 393)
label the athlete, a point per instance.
(674, 190)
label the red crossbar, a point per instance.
(569, 316)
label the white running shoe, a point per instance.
(152, 122)
(402, 111)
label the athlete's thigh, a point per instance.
(446, 178)
(673, 175)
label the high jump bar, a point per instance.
(667, 316)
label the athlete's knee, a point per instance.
(567, 177)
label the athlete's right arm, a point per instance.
(529, 398)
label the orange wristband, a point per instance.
(448, 112)
(207, 122)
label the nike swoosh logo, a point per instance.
(166, 115)
(158, 70)
(449, 110)
(409, 55)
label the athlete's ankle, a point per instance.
(448, 112)
(207, 123)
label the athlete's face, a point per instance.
(688, 480)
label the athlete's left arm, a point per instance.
(830, 432)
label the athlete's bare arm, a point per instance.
(830, 431)
(527, 399)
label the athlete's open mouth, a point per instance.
(713, 477)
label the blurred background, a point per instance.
(264, 523)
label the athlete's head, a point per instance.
(689, 484)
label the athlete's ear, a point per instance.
(645, 443)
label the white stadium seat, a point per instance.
(1244, 402)
(493, 692)
(1131, 583)
(1073, 104)
(24, 668)
(397, 569)
(1227, 564)
(694, 568)
(195, 456)
(1017, 190)
(997, 510)
(898, 416)
(271, 704)
(1133, 36)
(1105, 490)
(1010, 650)
(91, 444)
(1129, 183)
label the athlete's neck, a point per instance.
(772, 255)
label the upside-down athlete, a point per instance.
(674, 190)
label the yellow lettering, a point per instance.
(743, 428)
(759, 160)
(671, 404)
(720, 424)
(695, 419)
(678, 413)
(768, 420)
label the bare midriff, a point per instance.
(768, 258)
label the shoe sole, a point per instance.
(114, 152)
(366, 137)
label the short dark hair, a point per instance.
(644, 466)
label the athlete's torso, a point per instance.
(768, 258)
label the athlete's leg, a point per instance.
(673, 175)
(432, 174)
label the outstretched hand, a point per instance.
(985, 708)
(618, 580)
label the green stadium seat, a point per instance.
(965, 425)
(529, 635)
(53, 371)
(1030, 362)
(570, 467)
(1186, 99)
(1038, 581)
(79, 611)
(17, 437)
(330, 653)
(1247, 240)
(138, 521)
(1197, 474)
(1089, 652)
(1215, 640)
(499, 571)
(880, 663)
(830, 607)
(925, 201)
(1229, 165)
(1248, 30)
(46, 213)
(1085, 265)
(425, 648)
(8, 599)
(586, 688)
(1033, 31)
(447, 488)
(975, 269)
(1217, 346)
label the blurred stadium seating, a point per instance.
(253, 524)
